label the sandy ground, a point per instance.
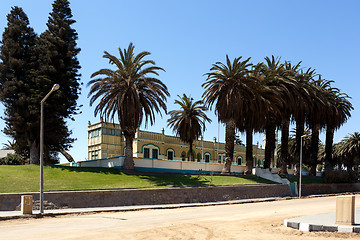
(240, 221)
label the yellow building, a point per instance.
(105, 140)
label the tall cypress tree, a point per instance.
(57, 59)
(30, 67)
(17, 68)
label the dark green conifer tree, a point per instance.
(58, 64)
(30, 67)
(17, 81)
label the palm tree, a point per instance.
(293, 157)
(130, 92)
(10, 145)
(339, 108)
(275, 78)
(228, 86)
(316, 118)
(291, 72)
(307, 92)
(349, 151)
(253, 120)
(188, 123)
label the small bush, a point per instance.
(340, 176)
(12, 159)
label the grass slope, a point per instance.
(26, 178)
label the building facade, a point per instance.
(105, 140)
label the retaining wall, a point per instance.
(125, 197)
(107, 198)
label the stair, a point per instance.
(266, 174)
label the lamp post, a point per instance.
(54, 88)
(301, 151)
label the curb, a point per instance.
(166, 206)
(307, 227)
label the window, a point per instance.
(111, 132)
(155, 153)
(170, 155)
(146, 153)
(183, 156)
(239, 161)
(94, 133)
(219, 158)
(199, 157)
(207, 158)
(94, 154)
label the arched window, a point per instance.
(183, 156)
(221, 157)
(198, 157)
(170, 153)
(150, 151)
(239, 160)
(207, 157)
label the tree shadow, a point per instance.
(88, 169)
(177, 180)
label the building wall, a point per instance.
(105, 141)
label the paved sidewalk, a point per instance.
(5, 215)
(322, 222)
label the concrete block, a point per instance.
(345, 210)
(345, 229)
(330, 228)
(305, 227)
(26, 204)
(313, 228)
(293, 225)
(286, 222)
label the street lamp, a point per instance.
(54, 88)
(301, 151)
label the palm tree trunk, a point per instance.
(191, 157)
(314, 149)
(249, 151)
(229, 146)
(270, 143)
(284, 158)
(329, 164)
(129, 161)
(299, 133)
(34, 153)
(356, 165)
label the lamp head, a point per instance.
(55, 87)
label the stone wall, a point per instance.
(107, 198)
(326, 188)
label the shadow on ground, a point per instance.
(177, 180)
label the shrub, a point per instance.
(340, 176)
(12, 159)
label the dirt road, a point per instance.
(240, 221)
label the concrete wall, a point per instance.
(162, 165)
(105, 198)
(110, 162)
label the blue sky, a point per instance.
(187, 37)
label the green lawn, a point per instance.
(306, 179)
(26, 179)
